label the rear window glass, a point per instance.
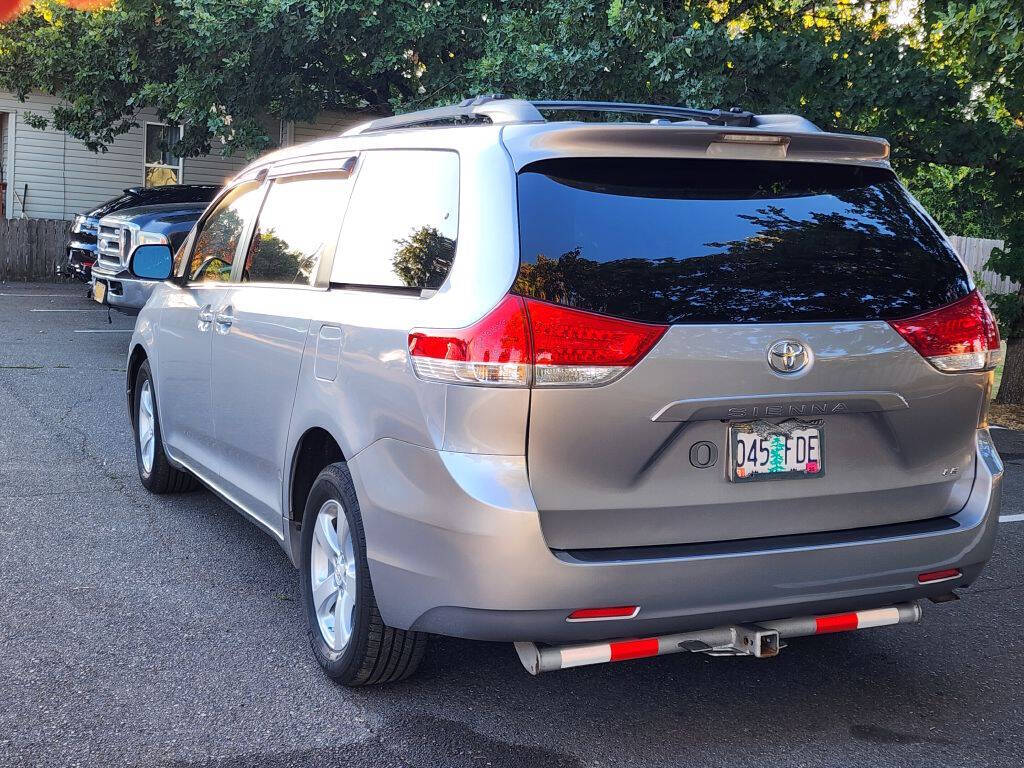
(402, 223)
(721, 241)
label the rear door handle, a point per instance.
(205, 318)
(224, 319)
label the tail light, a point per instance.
(524, 342)
(962, 336)
(495, 350)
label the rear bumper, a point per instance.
(125, 292)
(455, 548)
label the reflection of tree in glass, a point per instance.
(876, 259)
(424, 258)
(215, 247)
(272, 260)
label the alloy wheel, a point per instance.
(147, 427)
(332, 570)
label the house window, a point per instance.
(162, 166)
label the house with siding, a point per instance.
(47, 174)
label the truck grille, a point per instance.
(114, 244)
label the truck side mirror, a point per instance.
(151, 262)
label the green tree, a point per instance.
(220, 67)
(942, 79)
(424, 258)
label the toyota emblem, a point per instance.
(788, 356)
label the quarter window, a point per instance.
(163, 167)
(402, 224)
(298, 223)
(220, 233)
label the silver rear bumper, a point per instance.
(456, 548)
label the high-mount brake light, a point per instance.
(962, 336)
(751, 138)
(524, 342)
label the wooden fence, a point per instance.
(975, 252)
(30, 249)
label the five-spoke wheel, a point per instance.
(332, 571)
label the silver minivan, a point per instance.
(606, 389)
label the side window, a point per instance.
(299, 221)
(403, 220)
(219, 233)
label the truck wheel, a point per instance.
(155, 471)
(350, 640)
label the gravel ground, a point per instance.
(138, 630)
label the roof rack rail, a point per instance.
(734, 116)
(487, 108)
(497, 108)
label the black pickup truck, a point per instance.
(81, 247)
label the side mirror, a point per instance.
(151, 262)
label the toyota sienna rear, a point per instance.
(605, 390)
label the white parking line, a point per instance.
(1011, 518)
(106, 330)
(42, 295)
(98, 309)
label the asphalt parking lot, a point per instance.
(139, 630)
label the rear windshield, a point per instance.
(722, 241)
(156, 195)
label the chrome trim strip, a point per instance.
(239, 506)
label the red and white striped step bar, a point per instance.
(761, 640)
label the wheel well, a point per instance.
(135, 361)
(316, 449)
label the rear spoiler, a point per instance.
(528, 143)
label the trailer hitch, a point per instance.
(762, 640)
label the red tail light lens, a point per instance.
(522, 341)
(962, 336)
(576, 348)
(495, 350)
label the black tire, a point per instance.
(162, 477)
(376, 653)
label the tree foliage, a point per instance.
(941, 79)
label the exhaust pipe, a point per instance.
(762, 640)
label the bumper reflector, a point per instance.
(932, 576)
(597, 614)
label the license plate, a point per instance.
(799, 452)
(99, 291)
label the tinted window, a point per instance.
(716, 241)
(197, 193)
(299, 221)
(179, 194)
(219, 234)
(402, 223)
